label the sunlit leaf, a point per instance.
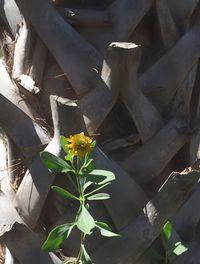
(100, 176)
(105, 230)
(62, 192)
(93, 143)
(167, 229)
(87, 184)
(63, 143)
(96, 179)
(85, 258)
(69, 261)
(89, 166)
(55, 163)
(57, 236)
(99, 196)
(179, 249)
(85, 221)
(69, 156)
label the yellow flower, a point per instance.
(79, 145)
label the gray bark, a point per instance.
(144, 166)
(160, 82)
(140, 234)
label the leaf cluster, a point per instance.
(84, 177)
(171, 250)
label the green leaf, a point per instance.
(105, 230)
(97, 189)
(63, 143)
(89, 166)
(167, 230)
(86, 185)
(69, 261)
(57, 236)
(85, 221)
(85, 258)
(64, 193)
(93, 143)
(100, 176)
(179, 249)
(55, 163)
(69, 156)
(99, 196)
(96, 179)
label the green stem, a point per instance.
(82, 202)
(96, 190)
(78, 184)
(80, 250)
(77, 169)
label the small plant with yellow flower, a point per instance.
(80, 168)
